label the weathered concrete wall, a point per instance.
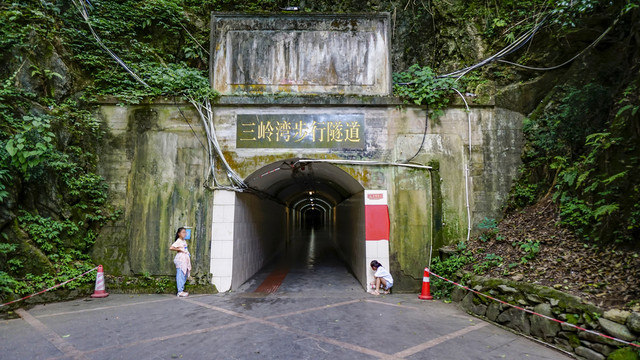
(412, 233)
(349, 232)
(154, 166)
(422, 209)
(319, 54)
(260, 232)
(496, 145)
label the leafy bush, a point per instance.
(49, 152)
(490, 260)
(420, 86)
(448, 268)
(582, 149)
(530, 249)
(489, 229)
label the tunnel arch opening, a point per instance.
(297, 209)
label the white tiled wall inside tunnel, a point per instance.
(224, 203)
(377, 250)
(259, 234)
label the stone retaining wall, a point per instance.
(621, 324)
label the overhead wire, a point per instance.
(594, 43)
(468, 164)
(514, 46)
(424, 136)
(362, 162)
(194, 39)
(511, 48)
(202, 106)
(84, 12)
(517, 44)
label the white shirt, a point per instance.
(381, 272)
(182, 259)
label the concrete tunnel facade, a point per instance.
(286, 193)
(273, 118)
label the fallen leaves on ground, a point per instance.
(606, 275)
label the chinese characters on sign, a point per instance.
(335, 131)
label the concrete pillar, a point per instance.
(223, 223)
(377, 229)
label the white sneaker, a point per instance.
(183, 294)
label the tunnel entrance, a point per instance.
(302, 216)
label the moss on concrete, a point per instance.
(627, 353)
(144, 284)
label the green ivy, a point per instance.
(420, 86)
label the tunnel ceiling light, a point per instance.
(310, 192)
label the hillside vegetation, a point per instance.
(582, 118)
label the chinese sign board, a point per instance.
(334, 131)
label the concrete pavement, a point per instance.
(311, 325)
(314, 309)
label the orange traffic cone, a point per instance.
(426, 287)
(99, 291)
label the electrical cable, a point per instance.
(207, 149)
(193, 38)
(80, 6)
(188, 123)
(424, 136)
(517, 44)
(362, 162)
(594, 43)
(203, 107)
(466, 167)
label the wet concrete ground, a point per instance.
(319, 311)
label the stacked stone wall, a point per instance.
(620, 324)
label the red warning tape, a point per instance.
(51, 288)
(535, 313)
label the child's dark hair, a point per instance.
(178, 233)
(375, 264)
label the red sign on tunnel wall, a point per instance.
(376, 213)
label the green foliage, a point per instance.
(566, 13)
(48, 144)
(36, 160)
(491, 260)
(530, 249)
(583, 147)
(504, 20)
(31, 144)
(155, 39)
(420, 86)
(4, 180)
(489, 229)
(448, 268)
(159, 284)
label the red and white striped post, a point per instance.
(99, 291)
(426, 287)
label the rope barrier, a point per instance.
(537, 314)
(51, 288)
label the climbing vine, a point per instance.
(420, 86)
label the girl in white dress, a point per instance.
(383, 279)
(182, 260)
